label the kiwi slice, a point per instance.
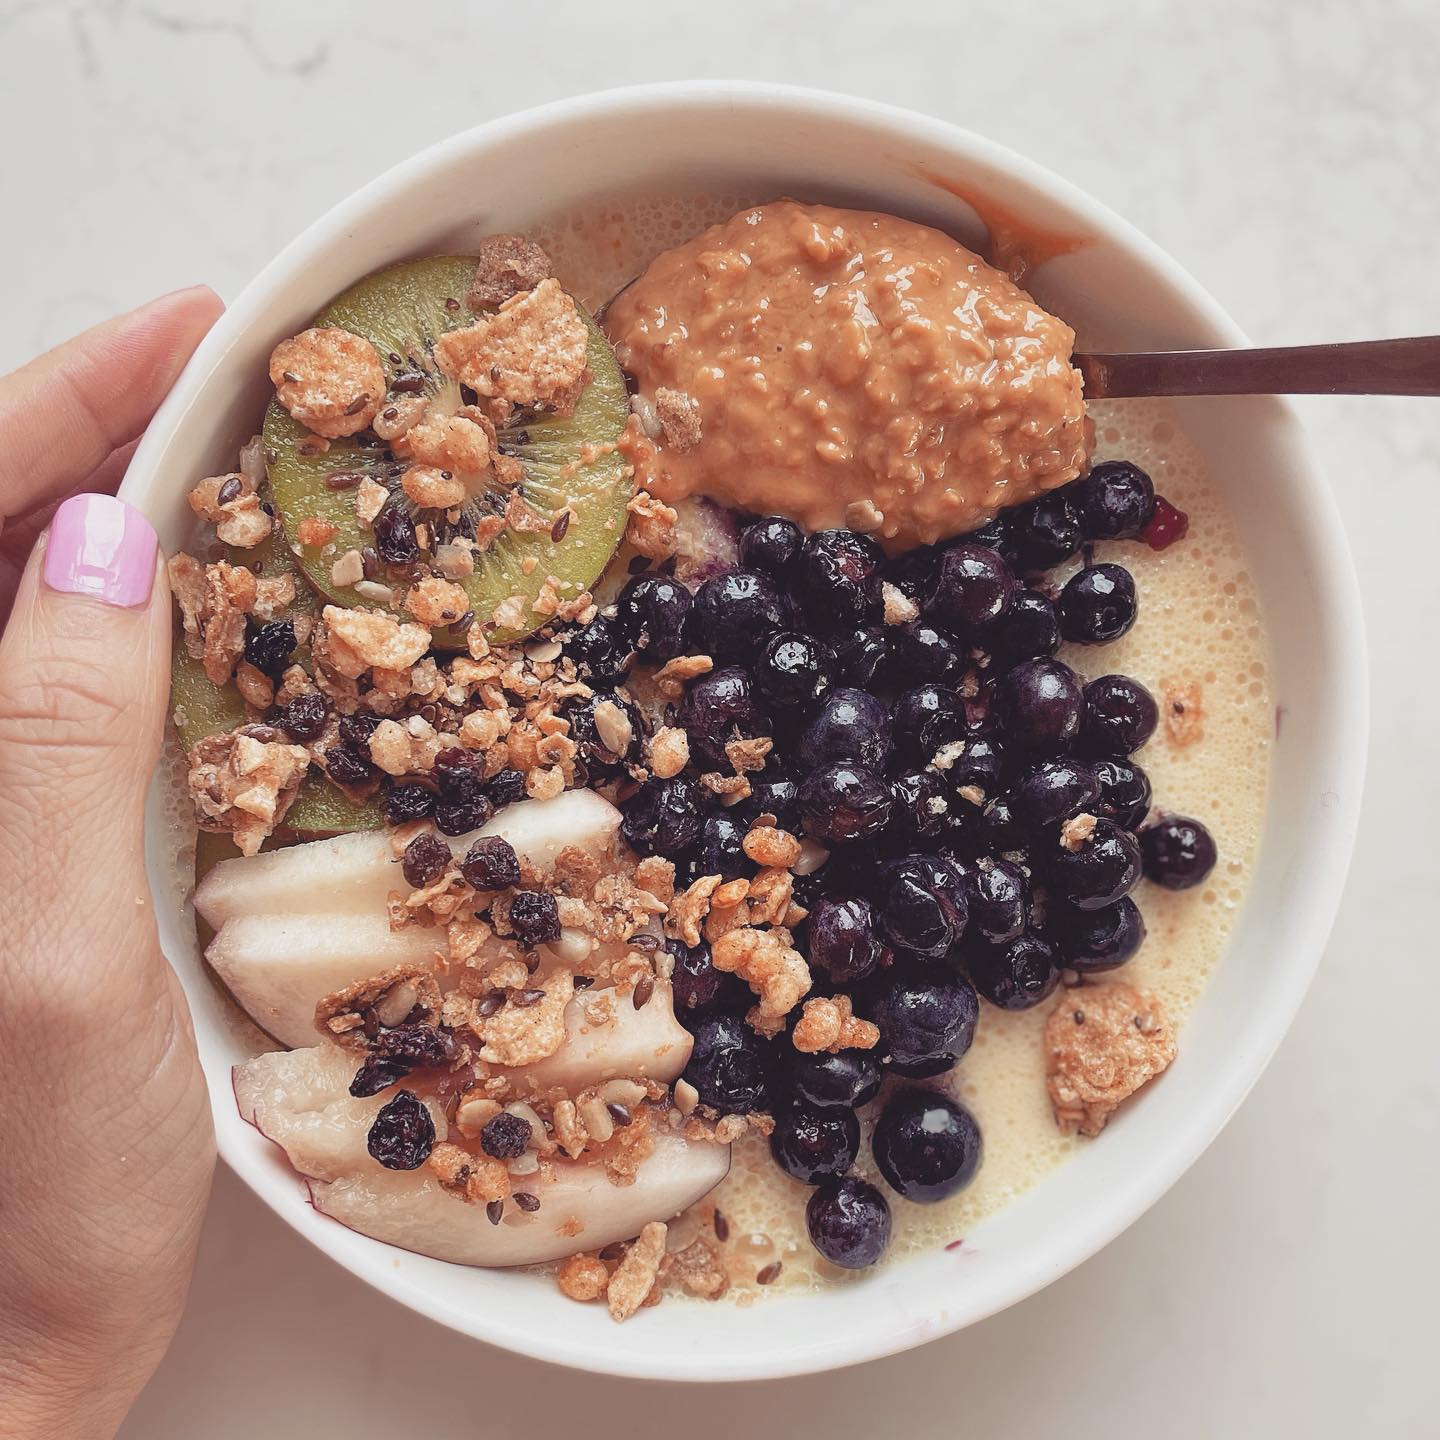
(569, 461)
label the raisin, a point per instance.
(491, 864)
(462, 817)
(461, 774)
(403, 1134)
(425, 860)
(395, 535)
(535, 917)
(303, 718)
(505, 1136)
(505, 787)
(416, 1045)
(408, 802)
(375, 1074)
(357, 729)
(345, 765)
(268, 647)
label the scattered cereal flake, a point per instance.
(315, 531)
(362, 639)
(330, 380)
(583, 1277)
(688, 910)
(460, 443)
(650, 529)
(1182, 710)
(768, 845)
(506, 265)
(349, 569)
(679, 417)
(370, 498)
(243, 785)
(775, 971)
(433, 489)
(635, 1275)
(521, 1035)
(672, 676)
(436, 602)
(828, 1024)
(274, 595)
(900, 609)
(748, 756)
(389, 998)
(1102, 1043)
(669, 751)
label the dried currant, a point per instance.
(405, 803)
(268, 647)
(416, 1045)
(461, 817)
(505, 1136)
(505, 787)
(425, 860)
(375, 1075)
(395, 540)
(491, 864)
(345, 765)
(303, 718)
(403, 1134)
(535, 917)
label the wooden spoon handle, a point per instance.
(1363, 367)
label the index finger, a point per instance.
(63, 414)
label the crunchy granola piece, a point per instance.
(656, 877)
(315, 532)
(688, 910)
(274, 595)
(461, 443)
(747, 757)
(775, 971)
(829, 1024)
(358, 640)
(187, 584)
(531, 351)
(635, 1275)
(613, 727)
(507, 265)
(370, 499)
(475, 1179)
(672, 677)
(767, 845)
(583, 1277)
(1182, 711)
(214, 601)
(900, 609)
(436, 602)
(230, 503)
(330, 380)
(679, 417)
(699, 1270)
(668, 752)
(243, 785)
(728, 789)
(650, 529)
(406, 747)
(399, 417)
(455, 559)
(522, 1034)
(545, 782)
(433, 489)
(1102, 1043)
(256, 688)
(1076, 831)
(349, 569)
(770, 897)
(390, 998)
(474, 1112)
(510, 613)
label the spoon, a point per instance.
(1363, 367)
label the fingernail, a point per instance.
(101, 547)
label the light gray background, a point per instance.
(1285, 152)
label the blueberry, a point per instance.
(1096, 940)
(1099, 870)
(992, 534)
(925, 806)
(405, 803)
(925, 1068)
(861, 658)
(1043, 534)
(1115, 501)
(1016, 975)
(811, 1144)
(1098, 605)
(717, 708)
(997, 897)
(1124, 792)
(1052, 790)
(971, 589)
(1028, 629)
(998, 831)
(981, 764)
(843, 802)
(602, 651)
(841, 939)
(1120, 716)
(732, 614)
(620, 723)
(917, 652)
(729, 1065)
(770, 544)
(1040, 705)
(268, 647)
(663, 817)
(847, 1077)
(793, 672)
(923, 1012)
(913, 573)
(837, 580)
(770, 794)
(1179, 852)
(927, 1146)
(719, 849)
(925, 719)
(849, 1222)
(698, 988)
(921, 905)
(652, 611)
(849, 725)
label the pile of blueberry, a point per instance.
(978, 798)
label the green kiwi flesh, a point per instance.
(568, 460)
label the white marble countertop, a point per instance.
(1286, 154)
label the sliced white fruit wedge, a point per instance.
(351, 873)
(279, 967)
(579, 1208)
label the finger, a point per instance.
(63, 414)
(84, 668)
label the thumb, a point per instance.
(84, 671)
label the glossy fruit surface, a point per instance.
(847, 1077)
(1098, 605)
(849, 1222)
(842, 940)
(811, 1143)
(1091, 941)
(923, 1012)
(729, 1065)
(1098, 870)
(734, 612)
(841, 803)
(927, 1146)
(851, 725)
(1014, 976)
(1120, 716)
(921, 905)
(1179, 852)
(1040, 704)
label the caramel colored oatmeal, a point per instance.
(835, 358)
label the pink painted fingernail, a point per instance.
(101, 547)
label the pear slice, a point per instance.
(580, 1209)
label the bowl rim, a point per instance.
(1329, 854)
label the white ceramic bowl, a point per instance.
(1118, 290)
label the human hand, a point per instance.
(106, 1150)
